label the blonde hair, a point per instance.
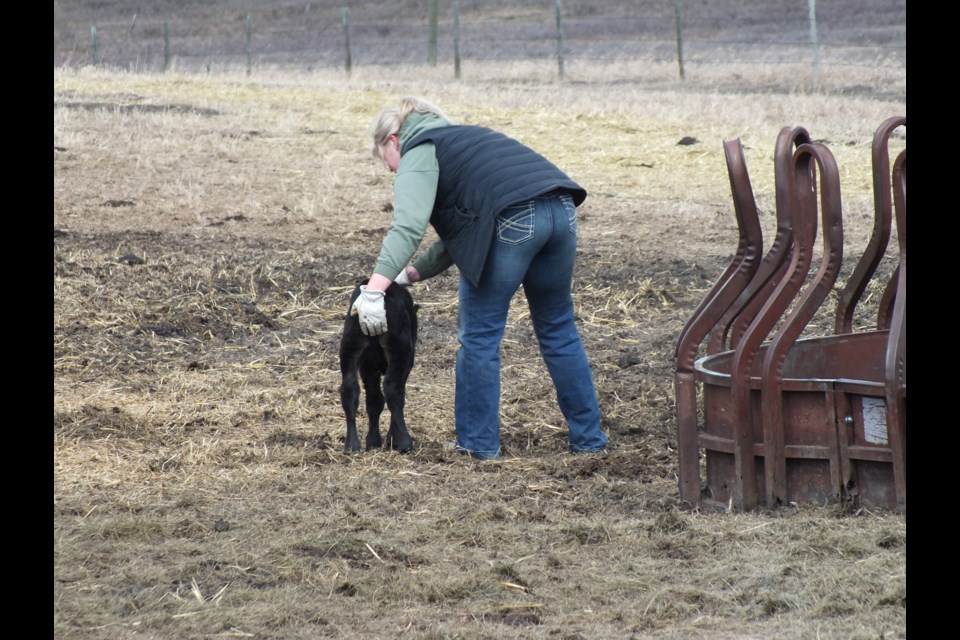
(391, 120)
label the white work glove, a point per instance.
(369, 310)
(403, 279)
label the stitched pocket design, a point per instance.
(515, 224)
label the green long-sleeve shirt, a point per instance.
(414, 194)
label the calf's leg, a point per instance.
(399, 363)
(350, 399)
(370, 368)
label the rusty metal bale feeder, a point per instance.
(784, 419)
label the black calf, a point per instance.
(389, 355)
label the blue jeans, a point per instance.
(535, 245)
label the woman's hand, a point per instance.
(407, 277)
(370, 312)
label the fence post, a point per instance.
(559, 8)
(346, 36)
(432, 44)
(166, 46)
(456, 39)
(813, 43)
(249, 39)
(95, 43)
(676, 12)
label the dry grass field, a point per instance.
(208, 230)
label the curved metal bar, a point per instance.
(896, 356)
(749, 246)
(807, 159)
(852, 292)
(745, 308)
(804, 229)
(885, 308)
(726, 289)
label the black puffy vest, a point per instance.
(481, 173)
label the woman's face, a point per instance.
(390, 153)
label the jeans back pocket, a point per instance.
(515, 223)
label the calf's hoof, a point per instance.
(401, 445)
(352, 447)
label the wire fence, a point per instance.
(227, 34)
